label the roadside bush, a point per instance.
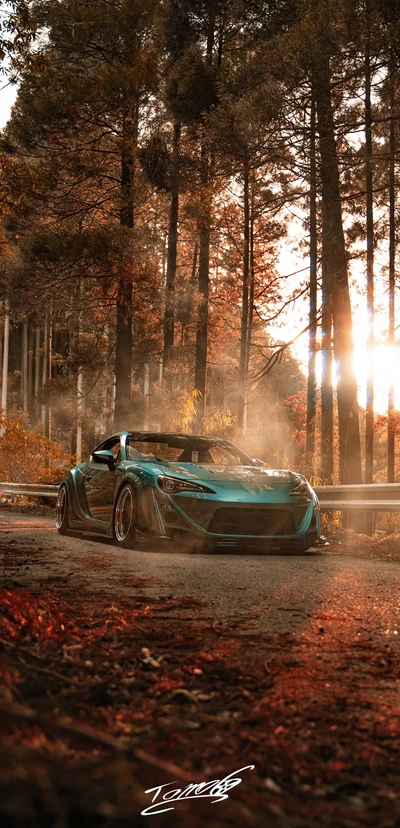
(28, 456)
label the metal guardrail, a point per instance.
(361, 505)
(374, 497)
(371, 497)
(32, 489)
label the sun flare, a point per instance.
(386, 369)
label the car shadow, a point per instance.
(157, 546)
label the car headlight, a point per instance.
(172, 485)
(301, 489)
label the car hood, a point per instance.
(270, 478)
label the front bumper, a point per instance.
(224, 522)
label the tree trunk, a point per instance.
(79, 378)
(369, 421)
(251, 300)
(193, 287)
(193, 274)
(251, 275)
(4, 382)
(169, 317)
(337, 277)
(245, 300)
(46, 376)
(123, 348)
(79, 409)
(200, 374)
(146, 397)
(30, 364)
(312, 349)
(37, 371)
(392, 254)
(44, 370)
(24, 368)
(326, 466)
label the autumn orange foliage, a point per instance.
(22, 615)
(30, 457)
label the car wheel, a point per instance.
(62, 511)
(125, 517)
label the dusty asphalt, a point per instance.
(274, 593)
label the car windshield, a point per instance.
(181, 449)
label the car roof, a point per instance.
(155, 435)
(161, 436)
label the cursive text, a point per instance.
(217, 790)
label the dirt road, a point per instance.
(270, 593)
(209, 662)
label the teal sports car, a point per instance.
(200, 491)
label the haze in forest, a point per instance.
(166, 165)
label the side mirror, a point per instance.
(258, 462)
(104, 456)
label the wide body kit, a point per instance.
(187, 501)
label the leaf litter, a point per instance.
(102, 697)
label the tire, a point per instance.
(62, 511)
(125, 517)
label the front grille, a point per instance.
(252, 522)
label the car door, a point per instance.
(100, 484)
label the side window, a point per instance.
(114, 445)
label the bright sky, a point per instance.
(8, 94)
